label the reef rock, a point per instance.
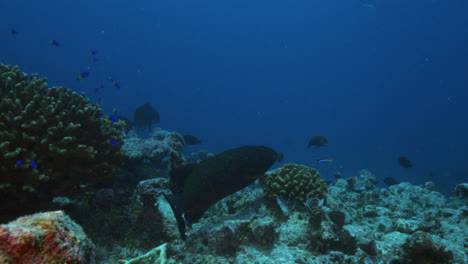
(395, 217)
(163, 148)
(45, 238)
(155, 220)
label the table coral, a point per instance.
(45, 238)
(52, 140)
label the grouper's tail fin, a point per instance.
(178, 215)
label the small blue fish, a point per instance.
(82, 75)
(325, 160)
(18, 164)
(113, 118)
(13, 31)
(33, 164)
(54, 43)
(116, 85)
(113, 142)
(94, 59)
(93, 52)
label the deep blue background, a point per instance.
(379, 78)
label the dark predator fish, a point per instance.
(191, 140)
(318, 142)
(405, 162)
(145, 116)
(197, 186)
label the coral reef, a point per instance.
(355, 225)
(52, 140)
(399, 225)
(394, 217)
(45, 238)
(296, 182)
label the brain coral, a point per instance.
(51, 139)
(296, 182)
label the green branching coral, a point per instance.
(296, 182)
(51, 139)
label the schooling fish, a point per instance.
(94, 59)
(13, 31)
(197, 186)
(93, 52)
(54, 43)
(82, 75)
(114, 142)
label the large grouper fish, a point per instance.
(196, 186)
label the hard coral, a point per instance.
(50, 139)
(44, 238)
(296, 182)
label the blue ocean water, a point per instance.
(379, 78)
